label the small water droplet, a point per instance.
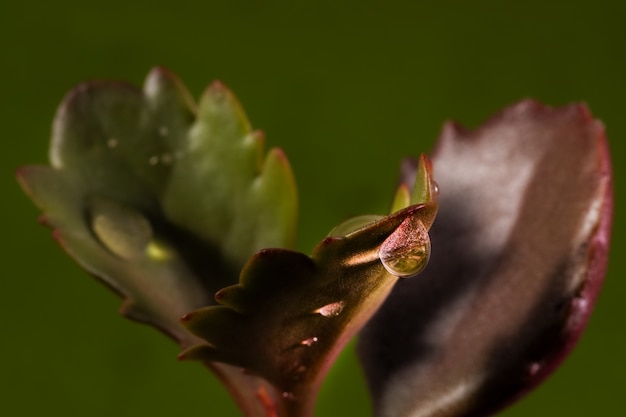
(164, 131)
(158, 252)
(167, 159)
(297, 373)
(534, 368)
(289, 396)
(579, 310)
(435, 188)
(309, 342)
(112, 143)
(154, 159)
(406, 251)
(580, 304)
(123, 230)
(294, 371)
(331, 310)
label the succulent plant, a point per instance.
(176, 207)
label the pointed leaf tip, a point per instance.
(416, 184)
(217, 85)
(425, 189)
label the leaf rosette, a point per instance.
(164, 201)
(176, 207)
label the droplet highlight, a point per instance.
(309, 342)
(158, 252)
(534, 368)
(406, 251)
(579, 310)
(165, 159)
(331, 310)
(300, 369)
(122, 230)
(435, 187)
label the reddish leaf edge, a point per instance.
(582, 306)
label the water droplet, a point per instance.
(331, 310)
(580, 304)
(293, 370)
(164, 131)
(158, 252)
(579, 311)
(289, 396)
(167, 159)
(309, 342)
(435, 187)
(297, 373)
(112, 143)
(534, 368)
(124, 231)
(406, 251)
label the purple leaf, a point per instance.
(519, 253)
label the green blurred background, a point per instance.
(347, 89)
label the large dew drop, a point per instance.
(406, 251)
(124, 231)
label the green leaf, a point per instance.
(520, 250)
(162, 201)
(238, 208)
(291, 314)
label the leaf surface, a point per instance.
(291, 314)
(162, 200)
(519, 253)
